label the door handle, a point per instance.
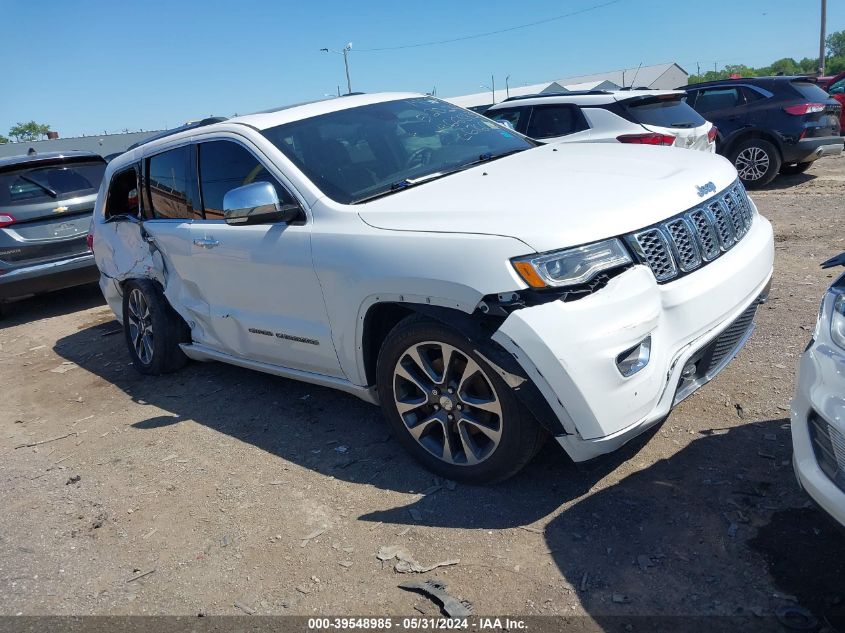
(206, 243)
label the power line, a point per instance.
(487, 34)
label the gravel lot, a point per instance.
(236, 492)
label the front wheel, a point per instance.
(152, 328)
(449, 408)
(757, 161)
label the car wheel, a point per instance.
(757, 161)
(152, 328)
(795, 168)
(449, 408)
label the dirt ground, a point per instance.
(218, 490)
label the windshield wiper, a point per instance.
(407, 183)
(404, 184)
(41, 185)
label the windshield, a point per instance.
(372, 150)
(665, 111)
(30, 185)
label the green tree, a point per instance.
(31, 131)
(3, 139)
(835, 43)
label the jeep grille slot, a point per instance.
(696, 237)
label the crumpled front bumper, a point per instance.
(569, 349)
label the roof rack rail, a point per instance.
(571, 93)
(187, 126)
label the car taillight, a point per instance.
(804, 108)
(6, 220)
(711, 135)
(89, 240)
(653, 138)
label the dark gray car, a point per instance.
(46, 202)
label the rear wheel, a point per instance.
(152, 328)
(795, 168)
(757, 161)
(449, 408)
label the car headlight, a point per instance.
(571, 266)
(837, 321)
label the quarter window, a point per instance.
(548, 121)
(226, 165)
(170, 184)
(123, 194)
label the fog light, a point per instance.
(689, 370)
(633, 360)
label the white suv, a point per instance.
(818, 409)
(485, 290)
(643, 117)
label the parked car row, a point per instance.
(764, 125)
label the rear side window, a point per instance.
(514, 117)
(665, 112)
(548, 121)
(48, 183)
(712, 99)
(810, 91)
(170, 187)
(226, 165)
(123, 194)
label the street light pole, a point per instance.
(345, 53)
(821, 37)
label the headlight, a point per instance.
(837, 321)
(571, 266)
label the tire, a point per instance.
(757, 161)
(152, 329)
(501, 438)
(795, 168)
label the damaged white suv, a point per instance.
(486, 291)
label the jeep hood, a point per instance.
(557, 195)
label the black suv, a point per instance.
(769, 125)
(46, 201)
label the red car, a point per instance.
(835, 87)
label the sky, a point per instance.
(90, 67)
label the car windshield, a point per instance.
(360, 153)
(45, 183)
(665, 111)
(810, 91)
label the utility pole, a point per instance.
(821, 37)
(507, 87)
(493, 83)
(345, 53)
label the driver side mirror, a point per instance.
(256, 203)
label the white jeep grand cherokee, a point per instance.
(486, 291)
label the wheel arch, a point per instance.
(381, 317)
(751, 133)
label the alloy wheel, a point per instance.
(140, 326)
(752, 163)
(447, 403)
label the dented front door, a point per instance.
(263, 299)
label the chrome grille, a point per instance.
(706, 234)
(685, 244)
(696, 237)
(654, 249)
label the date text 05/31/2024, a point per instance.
(386, 623)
